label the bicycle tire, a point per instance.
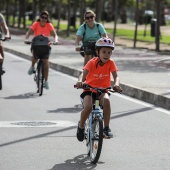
(97, 141)
(40, 78)
(0, 82)
(87, 136)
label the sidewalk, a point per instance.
(144, 74)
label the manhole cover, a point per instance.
(38, 123)
(33, 123)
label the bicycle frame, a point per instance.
(39, 76)
(94, 139)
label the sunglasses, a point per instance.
(45, 18)
(90, 17)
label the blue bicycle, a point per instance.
(94, 126)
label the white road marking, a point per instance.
(143, 103)
(162, 59)
(36, 124)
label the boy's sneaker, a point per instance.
(107, 132)
(80, 133)
(31, 70)
(46, 86)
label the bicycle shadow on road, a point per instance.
(76, 109)
(80, 162)
(23, 96)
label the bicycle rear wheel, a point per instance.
(96, 141)
(40, 81)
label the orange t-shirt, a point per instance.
(100, 76)
(38, 29)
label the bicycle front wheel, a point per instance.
(40, 76)
(96, 141)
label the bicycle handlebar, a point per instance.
(88, 87)
(50, 43)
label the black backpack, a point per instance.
(40, 47)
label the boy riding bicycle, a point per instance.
(96, 73)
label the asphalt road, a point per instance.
(39, 133)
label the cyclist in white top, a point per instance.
(4, 28)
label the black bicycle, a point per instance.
(1, 70)
(94, 125)
(41, 50)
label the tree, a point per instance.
(99, 7)
(115, 18)
(158, 6)
(136, 21)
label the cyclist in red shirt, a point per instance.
(44, 27)
(97, 73)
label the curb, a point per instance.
(128, 90)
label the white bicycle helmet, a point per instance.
(105, 42)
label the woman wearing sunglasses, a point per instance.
(88, 33)
(42, 27)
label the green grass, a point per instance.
(140, 35)
(125, 33)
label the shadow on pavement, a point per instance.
(23, 96)
(131, 112)
(80, 162)
(37, 136)
(77, 108)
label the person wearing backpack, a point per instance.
(88, 33)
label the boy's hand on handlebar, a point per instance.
(79, 84)
(117, 89)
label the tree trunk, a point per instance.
(14, 13)
(158, 4)
(82, 10)
(115, 18)
(68, 18)
(34, 7)
(7, 12)
(99, 7)
(136, 20)
(58, 7)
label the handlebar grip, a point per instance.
(75, 86)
